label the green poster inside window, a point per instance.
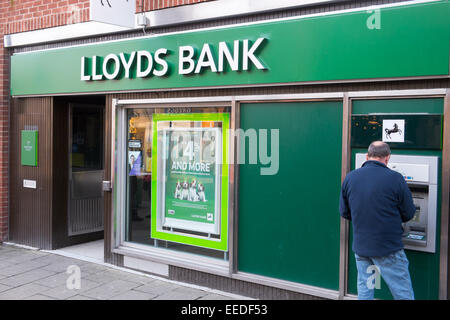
(191, 183)
(29, 148)
(190, 179)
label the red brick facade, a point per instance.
(27, 15)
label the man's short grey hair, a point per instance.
(378, 149)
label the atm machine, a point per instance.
(416, 143)
(421, 175)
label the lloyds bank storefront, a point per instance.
(214, 154)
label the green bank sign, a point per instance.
(391, 42)
(144, 64)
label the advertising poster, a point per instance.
(191, 179)
(134, 163)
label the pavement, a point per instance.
(30, 274)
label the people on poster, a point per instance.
(134, 162)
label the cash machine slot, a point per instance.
(415, 230)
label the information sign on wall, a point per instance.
(29, 148)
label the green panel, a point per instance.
(424, 267)
(412, 41)
(423, 105)
(289, 222)
(29, 148)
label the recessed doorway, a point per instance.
(78, 145)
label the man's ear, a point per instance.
(367, 156)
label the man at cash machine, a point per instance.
(377, 200)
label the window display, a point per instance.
(177, 179)
(191, 179)
(191, 183)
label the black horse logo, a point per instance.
(394, 130)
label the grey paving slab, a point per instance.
(5, 249)
(21, 268)
(109, 274)
(54, 281)
(12, 252)
(39, 297)
(80, 297)
(139, 279)
(4, 288)
(20, 258)
(16, 257)
(106, 276)
(5, 264)
(214, 296)
(36, 275)
(92, 268)
(62, 292)
(133, 295)
(182, 294)
(22, 292)
(157, 287)
(5, 256)
(56, 259)
(118, 274)
(26, 277)
(62, 265)
(111, 289)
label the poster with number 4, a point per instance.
(191, 183)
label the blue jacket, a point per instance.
(377, 200)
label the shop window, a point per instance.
(177, 179)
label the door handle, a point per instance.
(107, 186)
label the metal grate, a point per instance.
(85, 216)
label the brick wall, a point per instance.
(27, 15)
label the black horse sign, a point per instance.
(393, 130)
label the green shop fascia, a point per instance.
(289, 51)
(274, 242)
